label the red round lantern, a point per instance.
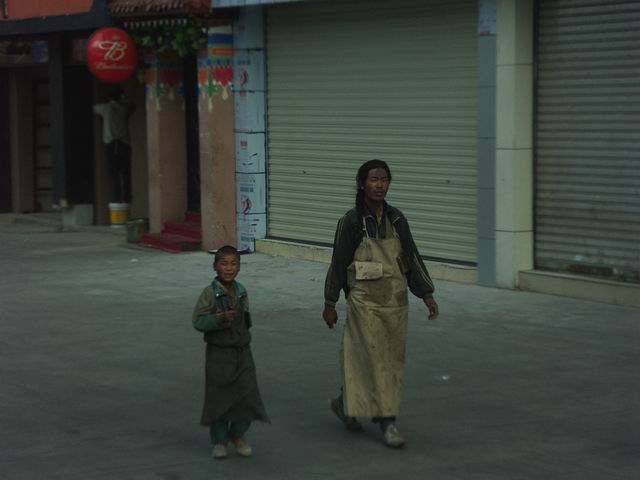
(112, 55)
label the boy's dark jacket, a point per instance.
(207, 316)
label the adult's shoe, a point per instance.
(392, 437)
(349, 422)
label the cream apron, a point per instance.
(373, 342)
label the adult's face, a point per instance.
(376, 185)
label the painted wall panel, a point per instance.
(23, 9)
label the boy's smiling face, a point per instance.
(227, 268)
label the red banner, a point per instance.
(112, 55)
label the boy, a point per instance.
(232, 399)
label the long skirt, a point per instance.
(231, 386)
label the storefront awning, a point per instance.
(157, 8)
(96, 16)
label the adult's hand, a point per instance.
(330, 316)
(433, 308)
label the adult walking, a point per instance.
(374, 261)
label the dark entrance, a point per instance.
(190, 81)
(78, 113)
(5, 151)
(42, 147)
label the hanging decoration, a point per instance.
(111, 55)
(215, 65)
(163, 77)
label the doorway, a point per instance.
(5, 149)
(78, 93)
(42, 147)
(190, 82)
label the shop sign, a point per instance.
(250, 153)
(248, 69)
(23, 52)
(249, 112)
(112, 55)
(487, 17)
(251, 193)
(250, 228)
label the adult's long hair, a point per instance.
(361, 178)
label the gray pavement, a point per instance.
(101, 374)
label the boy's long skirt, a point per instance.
(231, 387)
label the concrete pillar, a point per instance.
(166, 141)
(217, 144)
(486, 141)
(514, 140)
(139, 167)
(21, 141)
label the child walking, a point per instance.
(232, 399)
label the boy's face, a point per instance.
(227, 268)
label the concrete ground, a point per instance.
(101, 374)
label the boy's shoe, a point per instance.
(219, 451)
(349, 422)
(392, 437)
(242, 446)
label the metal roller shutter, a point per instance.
(588, 138)
(351, 81)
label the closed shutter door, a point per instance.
(352, 81)
(588, 138)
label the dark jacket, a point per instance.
(214, 300)
(349, 236)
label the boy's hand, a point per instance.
(433, 308)
(330, 316)
(228, 316)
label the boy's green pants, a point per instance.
(222, 431)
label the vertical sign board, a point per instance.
(249, 88)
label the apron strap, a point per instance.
(390, 228)
(364, 227)
(365, 239)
